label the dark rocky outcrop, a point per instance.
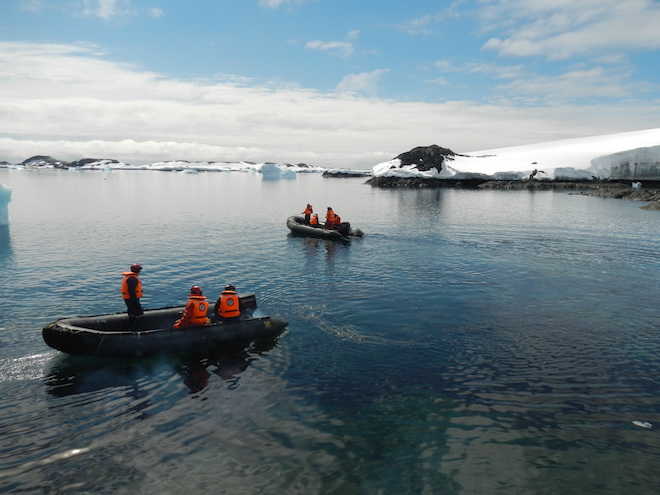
(341, 173)
(4, 163)
(427, 157)
(43, 161)
(86, 161)
(424, 182)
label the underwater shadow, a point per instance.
(71, 375)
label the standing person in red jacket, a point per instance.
(196, 310)
(308, 213)
(131, 292)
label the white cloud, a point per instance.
(499, 71)
(31, 5)
(364, 82)
(342, 48)
(566, 28)
(155, 12)
(438, 81)
(70, 102)
(106, 9)
(592, 83)
(422, 25)
(353, 34)
(273, 4)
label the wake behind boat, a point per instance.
(297, 225)
(111, 335)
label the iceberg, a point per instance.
(274, 171)
(5, 198)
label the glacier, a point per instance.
(5, 198)
(578, 158)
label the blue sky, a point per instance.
(333, 82)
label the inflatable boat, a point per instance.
(297, 225)
(151, 333)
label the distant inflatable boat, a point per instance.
(297, 225)
(110, 335)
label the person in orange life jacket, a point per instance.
(196, 310)
(131, 291)
(314, 222)
(227, 306)
(308, 212)
(329, 218)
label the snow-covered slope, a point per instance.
(565, 158)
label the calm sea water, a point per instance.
(472, 342)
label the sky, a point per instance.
(333, 83)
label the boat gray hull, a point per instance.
(110, 335)
(296, 225)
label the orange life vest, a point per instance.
(314, 220)
(308, 211)
(330, 218)
(337, 219)
(195, 313)
(124, 285)
(229, 305)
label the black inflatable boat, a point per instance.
(297, 225)
(111, 335)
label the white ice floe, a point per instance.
(574, 158)
(5, 198)
(643, 424)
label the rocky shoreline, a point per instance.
(648, 192)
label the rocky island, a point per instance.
(577, 166)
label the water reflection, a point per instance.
(71, 375)
(5, 244)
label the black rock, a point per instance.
(42, 161)
(427, 157)
(85, 161)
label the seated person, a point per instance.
(330, 218)
(196, 310)
(314, 222)
(228, 306)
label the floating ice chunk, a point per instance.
(643, 424)
(287, 173)
(5, 198)
(270, 171)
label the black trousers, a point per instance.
(133, 308)
(307, 219)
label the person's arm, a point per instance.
(132, 283)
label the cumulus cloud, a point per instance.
(70, 102)
(563, 29)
